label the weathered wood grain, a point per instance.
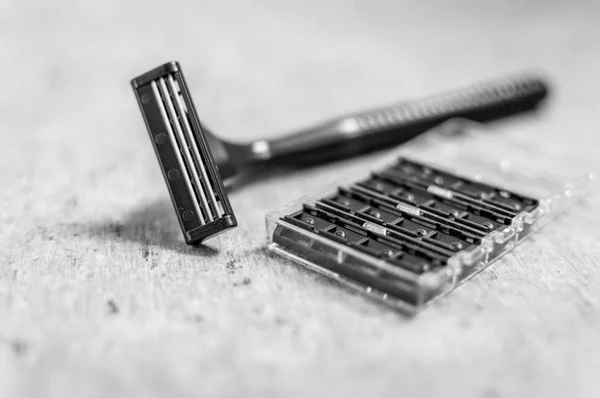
(99, 296)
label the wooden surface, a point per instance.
(99, 296)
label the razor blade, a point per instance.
(185, 158)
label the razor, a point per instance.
(185, 158)
(195, 162)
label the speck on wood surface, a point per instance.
(100, 297)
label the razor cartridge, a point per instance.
(190, 172)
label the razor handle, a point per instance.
(388, 126)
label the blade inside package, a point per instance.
(441, 209)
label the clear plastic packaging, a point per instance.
(480, 172)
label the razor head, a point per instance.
(191, 174)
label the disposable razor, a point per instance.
(187, 164)
(185, 149)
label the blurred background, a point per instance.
(86, 219)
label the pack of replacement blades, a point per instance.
(441, 209)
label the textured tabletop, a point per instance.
(99, 295)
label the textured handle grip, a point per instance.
(489, 101)
(387, 126)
